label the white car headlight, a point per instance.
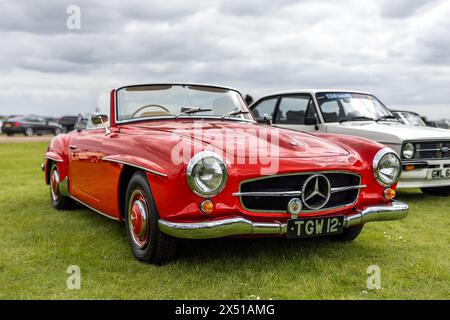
(206, 174)
(387, 167)
(408, 151)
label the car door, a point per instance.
(297, 112)
(85, 156)
(41, 125)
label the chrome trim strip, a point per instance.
(239, 226)
(136, 166)
(54, 159)
(268, 194)
(93, 209)
(342, 189)
(183, 117)
(422, 150)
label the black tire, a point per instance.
(148, 243)
(438, 192)
(28, 132)
(59, 202)
(349, 234)
(10, 134)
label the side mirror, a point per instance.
(313, 121)
(100, 118)
(267, 118)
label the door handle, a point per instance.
(72, 147)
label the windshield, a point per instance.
(150, 101)
(338, 107)
(410, 119)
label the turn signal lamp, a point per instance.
(389, 194)
(410, 168)
(207, 206)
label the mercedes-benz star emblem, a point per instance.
(316, 192)
(445, 149)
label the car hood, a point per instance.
(388, 132)
(263, 141)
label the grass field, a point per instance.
(37, 244)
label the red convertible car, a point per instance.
(189, 161)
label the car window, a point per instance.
(294, 110)
(156, 101)
(266, 106)
(331, 111)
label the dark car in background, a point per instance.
(409, 118)
(30, 125)
(68, 123)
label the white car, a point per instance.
(425, 151)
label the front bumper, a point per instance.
(239, 226)
(418, 178)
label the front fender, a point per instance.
(137, 162)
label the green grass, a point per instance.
(37, 244)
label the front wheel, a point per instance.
(59, 201)
(147, 242)
(438, 191)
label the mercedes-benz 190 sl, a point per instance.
(189, 161)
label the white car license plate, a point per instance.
(438, 174)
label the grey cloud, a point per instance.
(403, 8)
(253, 7)
(256, 47)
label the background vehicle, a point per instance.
(68, 122)
(30, 125)
(149, 160)
(425, 152)
(409, 118)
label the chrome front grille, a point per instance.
(272, 194)
(432, 150)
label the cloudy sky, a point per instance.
(397, 49)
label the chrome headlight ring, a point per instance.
(408, 151)
(206, 174)
(387, 167)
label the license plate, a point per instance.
(7, 125)
(314, 227)
(438, 174)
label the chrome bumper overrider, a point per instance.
(240, 226)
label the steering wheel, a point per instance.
(133, 115)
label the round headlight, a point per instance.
(206, 174)
(387, 167)
(408, 151)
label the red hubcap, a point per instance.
(138, 219)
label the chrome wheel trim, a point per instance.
(138, 223)
(54, 184)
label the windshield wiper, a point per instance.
(357, 119)
(385, 117)
(234, 113)
(190, 111)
